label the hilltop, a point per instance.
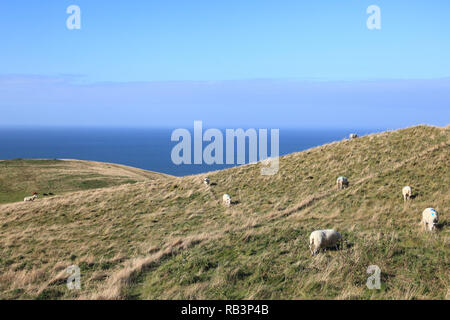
(21, 177)
(164, 237)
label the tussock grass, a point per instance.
(171, 238)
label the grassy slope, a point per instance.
(172, 238)
(61, 176)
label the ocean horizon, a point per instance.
(144, 148)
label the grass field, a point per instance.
(164, 237)
(21, 177)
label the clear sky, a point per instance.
(273, 63)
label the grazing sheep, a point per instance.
(226, 200)
(430, 219)
(206, 181)
(353, 136)
(342, 182)
(322, 239)
(29, 199)
(407, 193)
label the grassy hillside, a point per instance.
(171, 238)
(21, 177)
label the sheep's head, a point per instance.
(311, 249)
(435, 216)
(434, 224)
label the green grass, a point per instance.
(19, 178)
(171, 238)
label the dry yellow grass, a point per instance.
(171, 238)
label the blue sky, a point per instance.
(271, 63)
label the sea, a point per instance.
(145, 148)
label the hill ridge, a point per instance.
(166, 239)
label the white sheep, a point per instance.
(226, 200)
(206, 181)
(430, 219)
(342, 182)
(29, 199)
(353, 136)
(322, 239)
(407, 193)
